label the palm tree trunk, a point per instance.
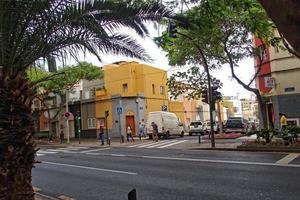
(17, 147)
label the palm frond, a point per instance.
(31, 29)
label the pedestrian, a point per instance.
(283, 121)
(129, 133)
(141, 130)
(154, 131)
(101, 135)
(61, 136)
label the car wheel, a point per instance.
(167, 135)
(190, 134)
(182, 134)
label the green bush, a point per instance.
(267, 134)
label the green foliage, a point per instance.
(215, 25)
(66, 77)
(266, 134)
(31, 30)
(190, 82)
(290, 133)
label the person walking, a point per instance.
(283, 121)
(61, 136)
(141, 130)
(154, 131)
(101, 135)
(129, 133)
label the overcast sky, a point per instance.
(230, 88)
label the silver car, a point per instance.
(196, 127)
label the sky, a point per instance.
(245, 70)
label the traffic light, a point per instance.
(216, 94)
(106, 113)
(204, 96)
(172, 29)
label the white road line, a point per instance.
(91, 168)
(79, 147)
(40, 154)
(47, 152)
(153, 143)
(94, 150)
(222, 161)
(289, 158)
(140, 144)
(156, 145)
(60, 150)
(95, 154)
(168, 145)
(118, 155)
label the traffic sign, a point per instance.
(119, 110)
(164, 108)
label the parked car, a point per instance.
(207, 128)
(236, 125)
(168, 124)
(196, 127)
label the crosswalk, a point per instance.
(71, 150)
(159, 145)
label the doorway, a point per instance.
(130, 121)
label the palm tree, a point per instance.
(34, 29)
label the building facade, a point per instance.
(130, 91)
(279, 82)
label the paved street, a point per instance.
(165, 173)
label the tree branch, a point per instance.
(288, 47)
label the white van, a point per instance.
(167, 124)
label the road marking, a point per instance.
(91, 168)
(60, 150)
(222, 161)
(118, 155)
(140, 144)
(47, 152)
(289, 158)
(93, 150)
(40, 154)
(168, 145)
(156, 145)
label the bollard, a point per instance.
(109, 141)
(199, 139)
(132, 195)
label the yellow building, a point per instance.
(130, 91)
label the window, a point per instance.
(262, 52)
(125, 88)
(91, 123)
(153, 89)
(162, 90)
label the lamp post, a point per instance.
(67, 110)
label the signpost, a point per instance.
(164, 108)
(119, 111)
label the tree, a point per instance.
(35, 29)
(219, 34)
(190, 83)
(286, 16)
(55, 83)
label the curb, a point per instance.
(39, 196)
(257, 149)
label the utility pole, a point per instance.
(67, 110)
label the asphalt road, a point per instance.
(167, 174)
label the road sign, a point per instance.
(119, 110)
(164, 108)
